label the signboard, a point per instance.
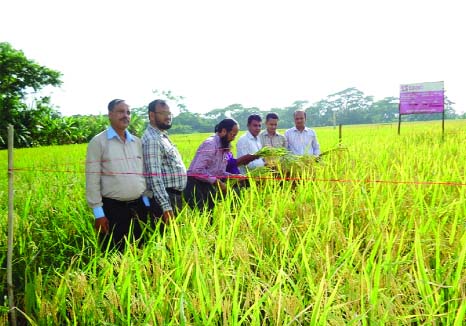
(422, 98)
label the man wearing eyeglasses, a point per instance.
(163, 167)
(114, 180)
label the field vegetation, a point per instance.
(375, 235)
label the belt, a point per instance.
(173, 191)
(128, 202)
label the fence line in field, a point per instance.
(256, 178)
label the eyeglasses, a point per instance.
(164, 113)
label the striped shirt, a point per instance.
(276, 140)
(163, 166)
(302, 142)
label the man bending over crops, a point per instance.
(270, 136)
(207, 172)
(115, 181)
(301, 139)
(250, 143)
(163, 167)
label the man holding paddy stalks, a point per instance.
(270, 137)
(301, 139)
(163, 167)
(114, 180)
(207, 172)
(250, 143)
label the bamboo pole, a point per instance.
(9, 265)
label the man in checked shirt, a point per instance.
(163, 167)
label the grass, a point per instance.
(374, 235)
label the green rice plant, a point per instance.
(374, 234)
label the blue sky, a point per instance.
(256, 53)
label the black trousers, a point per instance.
(199, 194)
(176, 202)
(123, 217)
(156, 211)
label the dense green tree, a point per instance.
(384, 110)
(320, 113)
(19, 77)
(188, 122)
(235, 111)
(351, 106)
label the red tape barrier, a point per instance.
(242, 177)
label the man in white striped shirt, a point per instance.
(301, 139)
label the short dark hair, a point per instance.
(254, 117)
(153, 105)
(294, 114)
(113, 103)
(227, 124)
(271, 115)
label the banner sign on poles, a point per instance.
(422, 98)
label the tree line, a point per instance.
(42, 124)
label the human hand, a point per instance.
(222, 186)
(167, 216)
(246, 159)
(101, 225)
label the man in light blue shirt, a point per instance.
(250, 143)
(301, 139)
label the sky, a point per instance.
(264, 54)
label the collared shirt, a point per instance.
(210, 161)
(276, 140)
(114, 169)
(163, 166)
(248, 144)
(302, 142)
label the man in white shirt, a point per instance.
(250, 143)
(301, 139)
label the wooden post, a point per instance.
(399, 118)
(399, 123)
(443, 125)
(339, 134)
(9, 265)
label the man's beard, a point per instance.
(163, 126)
(225, 142)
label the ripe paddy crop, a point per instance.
(372, 235)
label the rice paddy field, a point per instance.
(374, 235)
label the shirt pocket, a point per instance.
(170, 153)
